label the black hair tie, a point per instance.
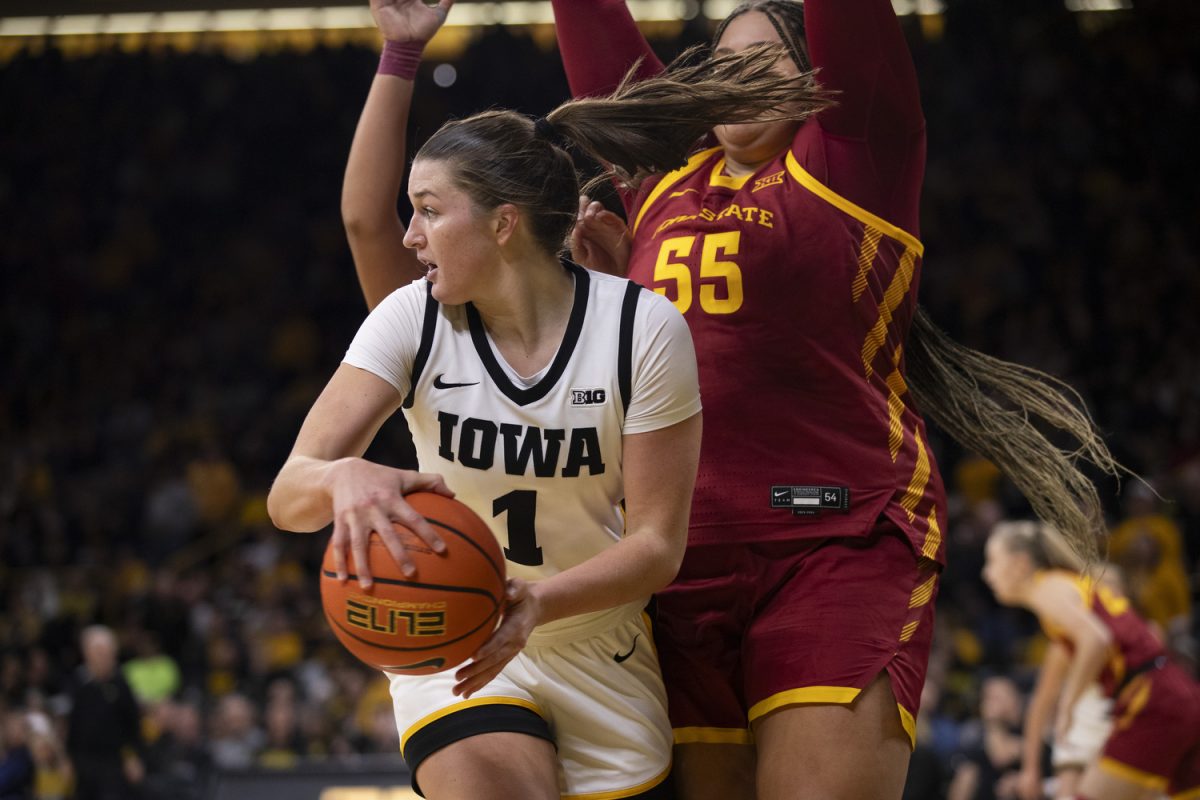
(544, 129)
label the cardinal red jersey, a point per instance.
(1134, 646)
(799, 302)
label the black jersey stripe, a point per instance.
(428, 326)
(524, 397)
(625, 344)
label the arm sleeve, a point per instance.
(386, 344)
(875, 135)
(599, 42)
(666, 387)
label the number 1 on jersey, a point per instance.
(521, 506)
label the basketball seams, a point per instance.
(492, 562)
(328, 573)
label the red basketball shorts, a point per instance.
(1155, 740)
(746, 629)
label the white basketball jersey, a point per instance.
(538, 458)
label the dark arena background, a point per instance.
(175, 288)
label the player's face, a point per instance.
(754, 143)
(1005, 570)
(452, 237)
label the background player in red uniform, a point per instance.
(1155, 742)
(801, 618)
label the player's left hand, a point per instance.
(522, 611)
(409, 20)
(600, 240)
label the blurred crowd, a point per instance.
(175, 288)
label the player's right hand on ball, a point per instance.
(409, 20)
(369, 497)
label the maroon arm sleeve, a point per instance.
(599, 42)
(875, 135)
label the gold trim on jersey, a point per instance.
(896, 387)
(933, 537)
(920, 478)
(858, 212)
(839, 695)
(909, 721)
(697, 735)
(632, 791)
(908, 630)
(896, 291)
(1132, 774)
(670, 179)
(735, 182)
(1135, 696)
(1189, 794)
(429, 719)
(866, 260)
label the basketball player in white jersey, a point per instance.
(561, 405)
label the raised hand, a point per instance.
(409, 20)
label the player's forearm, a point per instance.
(373, 182)
(1037, 719)
(860, 49)
(599, 42)
(631, 570)
(299, 499)
(1091, 652)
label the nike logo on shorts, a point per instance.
(619, 657)
(438, 383)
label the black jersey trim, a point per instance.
(428, 326)
(518, 395)
(490, 718)
(625, 344)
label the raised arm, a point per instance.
(375, 169)
(860, 50)
(599, 42)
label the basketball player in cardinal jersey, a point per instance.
(561, 405)
(795, 639)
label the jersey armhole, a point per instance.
(625, 344)
(428, 325)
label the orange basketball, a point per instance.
(437, 618)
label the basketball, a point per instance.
(437, 618)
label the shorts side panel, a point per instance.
(698, 628)
(607, 707)
(858, 606)
(1091, 724)
(1156, 725)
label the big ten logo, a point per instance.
(367, 793)
(379, 615)
(588, 397)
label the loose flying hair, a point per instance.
(992, 406)
(643, 128)
(1046, 547)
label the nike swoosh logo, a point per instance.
(784, 493)
(681, 193)
(618, 657)
(438, 383)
